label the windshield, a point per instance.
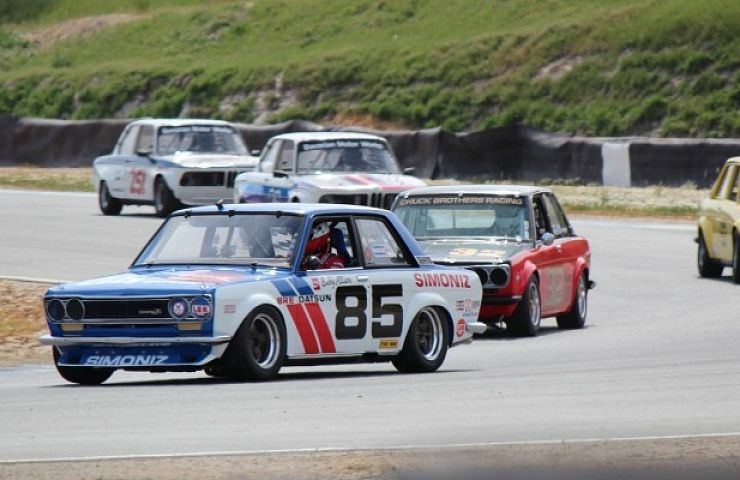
(474, 216)
(333, 156)
(241, 239)
(197, 139)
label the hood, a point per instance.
(354, 182)
(211, 160)
(472, 251)
(164, 281)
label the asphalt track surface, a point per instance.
(659, 359)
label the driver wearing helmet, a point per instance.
(323, 238)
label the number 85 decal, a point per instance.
(358, 329)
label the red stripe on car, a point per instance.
(304, 328)
(320, 326)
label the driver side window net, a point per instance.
(379, 246)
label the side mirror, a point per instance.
(548, 239)
(409, 170)
(279, 174)
(144, 152)
(255, 152)
(313, 263)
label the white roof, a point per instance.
(326, 136)
(179, 122)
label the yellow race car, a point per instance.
(719, 224)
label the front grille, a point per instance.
(149, 309)
(203, 179)
(382, 200)
(344, 199)
(136, 310)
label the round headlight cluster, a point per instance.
(497, 276)
(182, 308)
(58, 310)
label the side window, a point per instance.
(126, 146)
(540, 224)
(379, 247)
(735, 186)
(331, 243)
(285, 160)
(146, 139)
(267, 162)
(727, 182)
(555, 215)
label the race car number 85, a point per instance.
(357, 311)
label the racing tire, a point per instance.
(164, 200)
(258, 349)
(109, 205)
(708, 268)
(736, 258)
(525, 322)
(425, 346)
(82, 375)
(576, 317)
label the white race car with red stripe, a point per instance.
(241, 290)
(325, 167)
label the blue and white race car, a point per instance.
(326, 167)
(241, 290)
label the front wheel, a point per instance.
(525, 321)
(82, 375)
(708, 268)
(425, 347)
(164, 200)
(257, 351)
(576, 317)
(109, 205)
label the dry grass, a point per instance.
(51, 179)
(21, 322)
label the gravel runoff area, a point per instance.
(697, 458)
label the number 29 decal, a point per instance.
(350, 330)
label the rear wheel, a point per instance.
(164, 200)
(707, 267)
(576, 317)
(425, 346)
(257, 351)
(82, 375)
(527, 317)
(109, 205)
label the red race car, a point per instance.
(517, 239)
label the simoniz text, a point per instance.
(444, 280)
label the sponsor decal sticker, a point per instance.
(443, 280)
(460, 330)
(464, 200)
(230, 308)
(388, 343)
(295, 299)
(178, 308)
(201, 307)
(125, 360)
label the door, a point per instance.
(556, 274)
(364, 301)
(138, 176)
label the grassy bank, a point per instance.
(618, 67)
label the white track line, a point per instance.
(368, 449)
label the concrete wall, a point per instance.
(506, 153)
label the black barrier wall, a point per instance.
(506, 153)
